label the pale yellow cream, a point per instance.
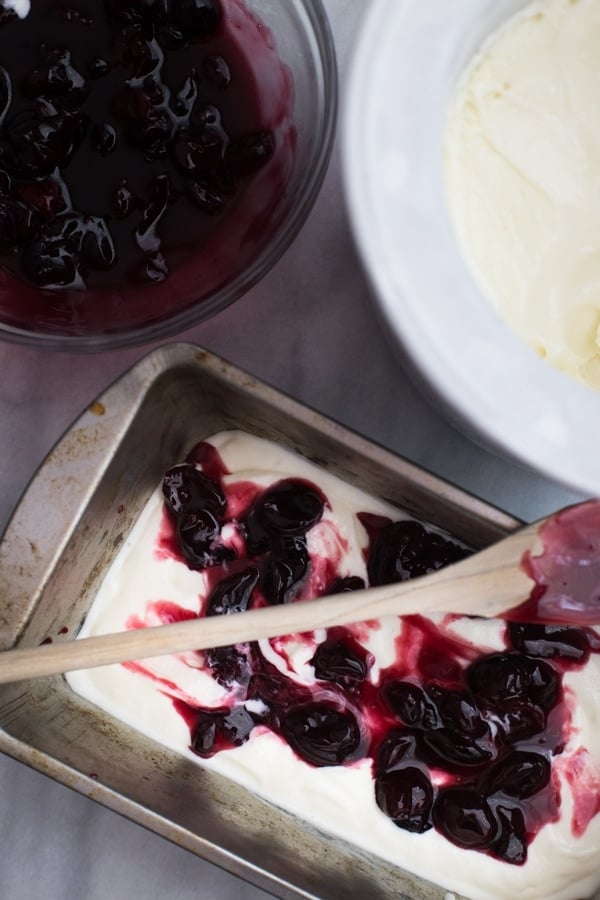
(522, 169)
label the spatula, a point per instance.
(545, 572)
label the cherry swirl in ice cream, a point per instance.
(490, 724)
(419, 738)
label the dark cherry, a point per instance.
(206, 198)
(399, 748)
(205, 738)
(68, 244)
(447, 748)
(230, 666)
(136, 11)
(464, 817)
(46, 197)
(18, 222)
(221, 730)
(521, 774)
(5, 93)
(271, 688)
(197, 537)
(186, 489)
(520, 719)
(140, 52)
(284, 569)
(51, 268)
(38, 144)
(459, 712)
(321, 734)
(406, 796)
(197, 532)
(341, 661)
(281, 514)
(71, 16)
(67, 230)
(57, 80)
(410, 702)
(97, 247)
(249, 153)
(549, 641)
(170, 37)
(123, 201)
(290, 508)
(232, 594)
(501, 678)
(257, 538)
(104, 138)
(198, 18)
(7, 15)
(200, 154)
(406, 549)
(97, 67)
(216, 69)
(511, 843)
(345, 584)
(146, 233)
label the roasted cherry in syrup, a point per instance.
(502, 679)
(549, 641)
(464, 816)
(283, 569)
(221, 730)
(406, 796)
(232, 594)
(322, 735)
(406, 549)
(341, 661)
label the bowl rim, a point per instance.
(313, 177)
(553, 427)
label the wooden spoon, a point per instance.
(559, 584)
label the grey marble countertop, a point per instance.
(302, 329)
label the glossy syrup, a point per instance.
(129, 135)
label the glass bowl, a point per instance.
(288, 64)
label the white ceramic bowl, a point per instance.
(406, 64)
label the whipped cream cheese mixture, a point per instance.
(545, 765)
(522, 168)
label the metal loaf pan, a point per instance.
(65, 533)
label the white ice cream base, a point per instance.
(338, 800)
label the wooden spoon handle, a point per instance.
(469, 587)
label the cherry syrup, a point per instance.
(566, 574)
(130, 136)
(460, 739)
